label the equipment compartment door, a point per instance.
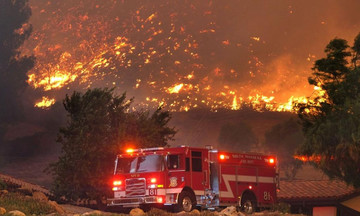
(199, 171)
(246, 178)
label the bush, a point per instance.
(282, 207)
(3, 185)
(27, 205)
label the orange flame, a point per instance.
(45, 103)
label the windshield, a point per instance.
(148, 163)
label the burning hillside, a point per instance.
(184, 54)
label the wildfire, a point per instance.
(305, 158)
(45, 103)
(175, 89)
(147, 51)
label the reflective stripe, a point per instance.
(263, 179)
(228, 192)
(244, 178)
(241, 178)
(173, 190)
(161, 192)
(199, 192)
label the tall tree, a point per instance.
(14, 30)
(283, 139)
(331, 123)
(237, 136)
(99, 127)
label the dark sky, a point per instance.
(218, 50)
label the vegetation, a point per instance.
(27, 205)
(14, 17)
(99, 127)
(237, 136)
(283, 139)
(3, 185)
(331, 123)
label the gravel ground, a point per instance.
(70, 209)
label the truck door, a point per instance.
(199, 170)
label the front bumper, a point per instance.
(167, 199)
(133, 201)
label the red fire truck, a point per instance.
(185, 177)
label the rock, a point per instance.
(2, 211)
(229, 211)
(16, 213)
(56, 206)
(136, 212)
(96, 212)
(52, 214)
(195, 212)
(40, 196)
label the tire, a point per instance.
(186, 202)
(101, 204)
(248, 204)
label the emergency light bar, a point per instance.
(143, 150)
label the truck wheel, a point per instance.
(186, 201)
(248, 204)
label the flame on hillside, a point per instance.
(45, 103)
(165, 53)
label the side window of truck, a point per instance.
(187, 164)
(173, 162)
(196, 161)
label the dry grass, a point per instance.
(25, 204)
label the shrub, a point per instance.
(3, 185)
(27, 205)
(282, 207)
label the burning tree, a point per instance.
(99, 126)
(331, 123)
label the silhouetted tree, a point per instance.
(283, 139)
(236, 136)
(99, 126)
(331, 123)
(14, 30)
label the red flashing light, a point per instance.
(222, 157)
(153, 180)
(250, 187)
(129, 151)
(271, 160)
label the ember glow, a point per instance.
(184, 54)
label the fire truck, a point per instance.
(186, 177)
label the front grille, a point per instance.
(135, 187)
